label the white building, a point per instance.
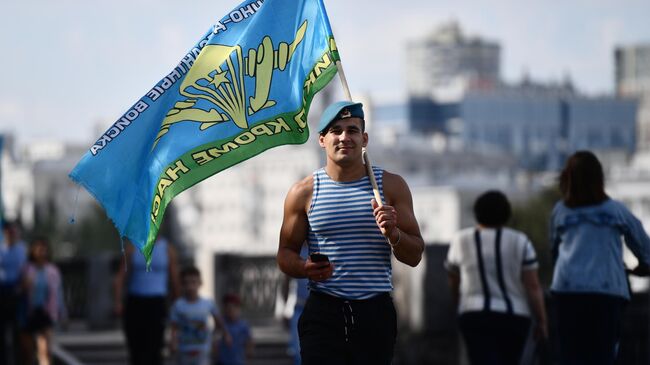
(54, 192)
(631, 185)
(447, 63)
(442, 211)
(632, 69)
(633, 80)
(17, 185)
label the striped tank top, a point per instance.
(342, 226)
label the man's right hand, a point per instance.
(318, 271)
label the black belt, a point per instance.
(337, 300)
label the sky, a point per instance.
(70, 68)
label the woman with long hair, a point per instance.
(589, 285)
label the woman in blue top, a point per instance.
(144, 308)
(589, 284)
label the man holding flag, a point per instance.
(349, 317)
(246, 86)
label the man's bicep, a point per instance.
(293, 233)
(294, 224)
(403, 203)
(407, 221)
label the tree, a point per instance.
(533, 217)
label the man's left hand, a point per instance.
(386, 218)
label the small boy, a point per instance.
(241, 347)
(190, 331)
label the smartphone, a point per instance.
(319, 257)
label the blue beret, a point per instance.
(340, 110)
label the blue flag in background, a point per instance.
(245, 87)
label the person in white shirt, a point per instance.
(493, 277)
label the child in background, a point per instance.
(242, 341)
(42, 285)
(191, 336)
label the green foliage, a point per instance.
(91, 234)
(532, 217)
(44, 222)
(96, 233)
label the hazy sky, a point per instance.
(68, 65)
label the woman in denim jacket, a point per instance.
(589, 285)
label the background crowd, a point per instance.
(492, 272)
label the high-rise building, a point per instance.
(633, 80)
(632, 70)
(447, 63)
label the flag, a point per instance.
(245, 86)
(2, 205)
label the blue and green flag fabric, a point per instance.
(245, 87)
(2, 206)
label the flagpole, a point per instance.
(366, 157)
(344, 81)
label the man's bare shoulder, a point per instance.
(395, 188)
(393, 181)
(300, 193)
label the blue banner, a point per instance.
(244, 87)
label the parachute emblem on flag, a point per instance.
(217, 77)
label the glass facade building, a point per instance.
(540, 128)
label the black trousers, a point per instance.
(589, 328)
(494, 338)
(144, 326)
(8, 325)
(336, 331)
